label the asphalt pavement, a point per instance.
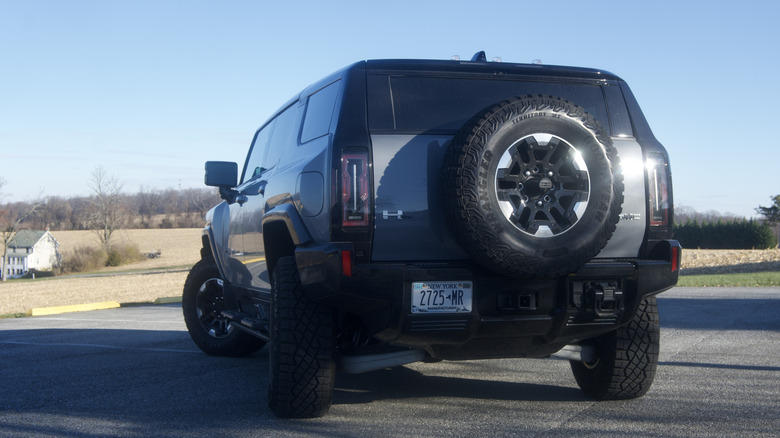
(133, 371)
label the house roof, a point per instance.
(26, 238)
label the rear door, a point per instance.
(413, 117)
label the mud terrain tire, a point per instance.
(626, 359)
(302, 366)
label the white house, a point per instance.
(30, 249)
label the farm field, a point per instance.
(177, 246)
(180, 248)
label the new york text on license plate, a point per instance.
(441, 297)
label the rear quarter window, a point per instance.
(420, 103)
(319, 112)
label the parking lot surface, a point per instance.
(134, 372)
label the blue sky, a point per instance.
(150, 90)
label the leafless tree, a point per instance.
(106, 200)
(11, 221)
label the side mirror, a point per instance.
(221, 174)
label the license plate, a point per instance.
(441, 297)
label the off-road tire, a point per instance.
(202, 301)
(302, 366)
(554, 206)
(626, 359)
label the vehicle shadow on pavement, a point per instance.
(406, 383)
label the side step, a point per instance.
(372, 362)
(245, 323)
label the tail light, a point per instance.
(354, 189)
(659, 198)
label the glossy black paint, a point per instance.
(289, 205)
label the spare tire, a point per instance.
(532, 187)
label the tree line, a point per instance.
(734, 234)
(712, 230)
(107, 210)
(149, 208)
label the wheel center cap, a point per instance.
(545, 184)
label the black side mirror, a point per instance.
(221, 174)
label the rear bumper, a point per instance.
(510, 317)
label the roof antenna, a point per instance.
(479, 57)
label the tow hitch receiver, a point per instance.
(604, 298)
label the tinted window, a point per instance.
(436, 103)
(285, 135)
(254, 163)
(319, 111)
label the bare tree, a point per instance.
(107, 215)
(11, 221)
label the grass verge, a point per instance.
(14, 315)
(754, 279)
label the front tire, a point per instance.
(626, 359)
(302, 366)
(202, 302)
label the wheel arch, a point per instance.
(283, 231)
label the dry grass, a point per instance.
(21, 296)
(178, 246)
(704, 261)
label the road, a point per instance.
(134, 372)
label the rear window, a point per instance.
(420, 103)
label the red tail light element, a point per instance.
(354, 189)
(675, 258)
(346, 263)
(658, 185)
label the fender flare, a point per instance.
(283, 217)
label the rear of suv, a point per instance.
(413, 210)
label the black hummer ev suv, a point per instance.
(412, 210)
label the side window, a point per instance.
(319, 111)
(285, 135)
(254, 163)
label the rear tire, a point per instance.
(202, 302)
(626, 359)
(302, 366)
